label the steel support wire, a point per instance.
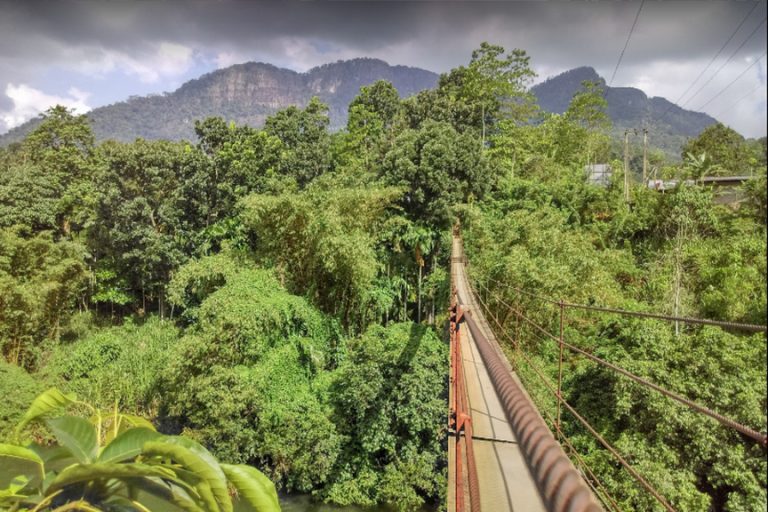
(561, 486)
(624, 312)
(637, 476)
(743, 429)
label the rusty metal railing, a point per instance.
(460, 420)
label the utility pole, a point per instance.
(645, 155)
(626, 165)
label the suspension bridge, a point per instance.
(503, 455)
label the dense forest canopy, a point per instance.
(278, 295)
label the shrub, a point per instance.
(18, 389)
(119, 364)
(389, 397)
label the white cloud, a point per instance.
(163, 59)
(227, 58)
(731, 103)
(29, 102)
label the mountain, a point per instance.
(669, 126)
(243, 93)
(248, 93)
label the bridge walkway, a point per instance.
(504, 479)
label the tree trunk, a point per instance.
(418, 311)
(483, 120)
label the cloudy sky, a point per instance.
(85, 53)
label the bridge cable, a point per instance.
(640, 314)
(635, 474)
(743, 429)
(631, 30)
(602, 492)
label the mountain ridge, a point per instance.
(669, 125)
(247, 93)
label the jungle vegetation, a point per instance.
(277, 296)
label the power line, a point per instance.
(726, 62)
(750, 93)
(733, 82)
(621, 56)
(717, 54)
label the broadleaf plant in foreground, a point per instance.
(108, 461)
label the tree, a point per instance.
(725, 147)
(388, 395)
(250, 334)
(40, 281)
(115, 460)
(29, 197)
(323, 245)
(496, 84)
(304, 134)
(438, 168)
(371, 124)
(146, 224)
(588, 107)
(61, 146)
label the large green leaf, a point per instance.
(127, 445)
(48, 402)
(80, 473)
(157, 494)
(55, 458)
(204, 454)
(77, 435)
(132, 420)
(254, 489)
(17, 461)
(212, 478)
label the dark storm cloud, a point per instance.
(562, 34)
(672, 42)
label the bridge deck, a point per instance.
(504, 479)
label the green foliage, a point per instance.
(120, 365)
(19, 389)
(727, 149)
(39, 283)
(389, 397)
(304, 135)
(439, 168)
(252, 335)
(107, 462)
(323, 245)
(144, 218)
(691, 459)
(28, 197)
(61, 147)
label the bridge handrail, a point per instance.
(640, 314)
(724, 420)
(560, 400)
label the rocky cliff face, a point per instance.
(246, 94)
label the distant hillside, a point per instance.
(246, 94)
(669, 125)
